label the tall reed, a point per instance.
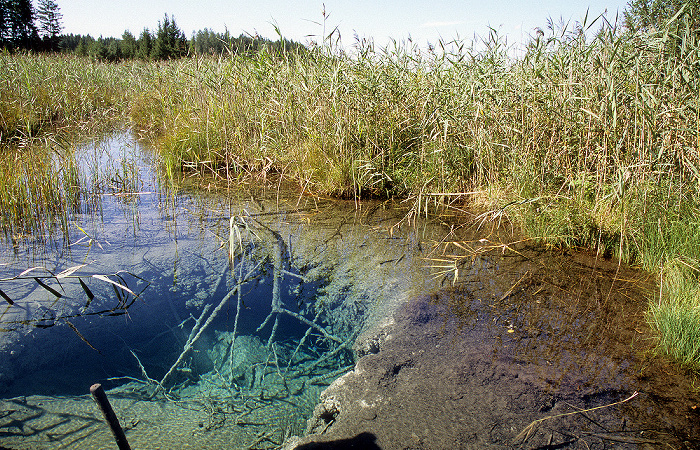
(583, 141)
(46, 102)
(591, 138)
(39, 193)
(40, 93)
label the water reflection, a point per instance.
(210, 318)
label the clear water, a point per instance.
(215, 315)
(144, 309)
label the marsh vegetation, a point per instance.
(588, 139)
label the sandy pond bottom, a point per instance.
(536, 351)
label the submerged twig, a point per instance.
(529, 430)
(211, 317)
(322, 378)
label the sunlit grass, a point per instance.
(40, 93)
(676, 314)
(582, 141)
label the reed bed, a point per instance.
(42, 93)
(38, 196)
(590, 139)
(583, 141)
(48, 103)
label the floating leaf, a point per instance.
(108, 280)
(69, 271)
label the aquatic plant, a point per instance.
(580, 139)
(39, 192)
(675, 315)
(588, 139)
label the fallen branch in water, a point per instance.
(325, 377)
(194, 337)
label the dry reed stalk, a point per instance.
(530, 430)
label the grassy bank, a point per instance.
(45, 103)
(40, 93)
(583, 142)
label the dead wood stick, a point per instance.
(303, 319)
(103, 403)
(211, 317)
(191, 342)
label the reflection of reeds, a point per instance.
(37, 193)
(54, 284)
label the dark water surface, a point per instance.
(216, 317)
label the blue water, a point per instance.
(165, 250)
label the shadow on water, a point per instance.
(365, 441)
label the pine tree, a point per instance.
(170, 41)
(128, 45)
(144, 44)
(4, 22)
(17, 28)
(49, 16)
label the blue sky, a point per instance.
(422, 20)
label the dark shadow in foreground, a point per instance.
(366, 441)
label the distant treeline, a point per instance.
(22, 27)
(168, 42)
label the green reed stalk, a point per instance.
(582, 141)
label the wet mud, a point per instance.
(529, 349)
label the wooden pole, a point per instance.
(103, 402)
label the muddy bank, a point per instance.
(522, 338)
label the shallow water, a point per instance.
(530, 349)
(520, 333)
(147, 314)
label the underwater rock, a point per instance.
(370, 342)
(238, 363)
(325, 412)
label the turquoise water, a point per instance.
(210, 318)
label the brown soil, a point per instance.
(522, 338)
